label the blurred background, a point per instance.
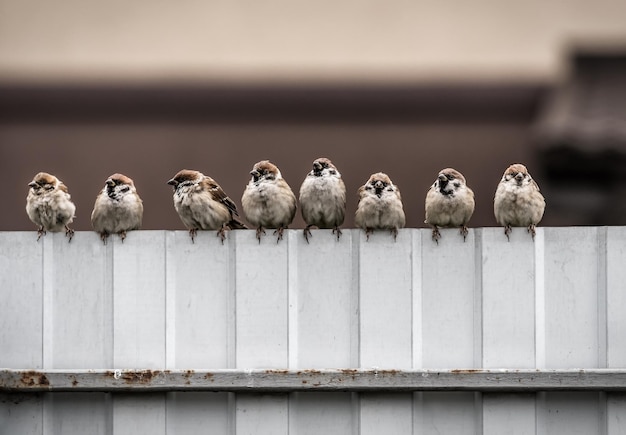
(147, 88)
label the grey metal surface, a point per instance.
(159, 304)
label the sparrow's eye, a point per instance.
(449, 177)
(125, 189)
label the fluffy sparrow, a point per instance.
(323, 198)
(268, 201)
(380, 206)
(49, 206)
(202, 204)
(118, 208)
(449, 203)
(518, 202)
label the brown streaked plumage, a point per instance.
(268, 201)
(449, 203)
(380, 206)
(323, 198)
(518, 202)
(118, 208)
(201, 204)
(49, 205)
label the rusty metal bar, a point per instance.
(283, 381)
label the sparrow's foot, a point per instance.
(394, 233)
(337, 231)
(307, 232)
(531, 230)
(279, 231)
(259, 231)
(507, 231)
(122, 235)
(368, 231)
(69, 233)
(221, 233)
(40, 232)
(436, 234)
(192, 234)
(464, 232)
(104, 237)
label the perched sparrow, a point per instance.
(202, 204)
(518, 202)
(49, 206)
(323, 198)
(380, 206)
(268, 201)
(118, 208)
(449, 203)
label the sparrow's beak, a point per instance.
(172, 182)
(378, 185)
(255, 174)
(519, 177)
(317, 167)
(32, 184)
(110, 183)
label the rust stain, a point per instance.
(465, 371)
(33, 378)
(277, 371)
(140, 377)
(209, 376)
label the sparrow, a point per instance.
(202, 204)
(449, 203)
(518, 202)
(380, 206)
(49, 205)
(323, 198)
(118, 208)
(268, 201)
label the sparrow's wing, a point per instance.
(219, 195)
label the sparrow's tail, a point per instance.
(234, 224)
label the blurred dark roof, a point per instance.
(588, 111)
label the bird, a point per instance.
(49, 205)
(449, 203)
(202, 204)
(323, 198)
(380, 206)
(118, 208)
(268, 201)
(518, 202)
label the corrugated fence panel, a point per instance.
(159, 301)
(616, 321)
(508, 314)
(450, 329)
(323, 326)
(200, 321)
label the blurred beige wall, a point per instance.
(275, 40)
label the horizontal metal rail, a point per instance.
(284, 381)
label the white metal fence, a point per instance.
(159, 302)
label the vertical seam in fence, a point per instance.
(355, 309)
(476, 236)
(602, 326)
(540, 300)
(48, 302)
(48, 327)
(109, 333)
(292, 299)
(170, 301)
(416, 297)
(233, 240)
(602, 297)
(355, 330)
